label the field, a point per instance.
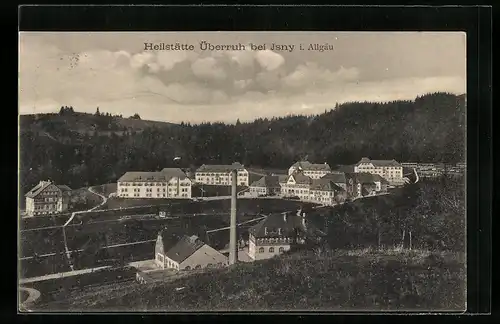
(41, 242)
(301, 281)
(43, 221)
(100, 229)
(180, 206)
(116, 202)
(44, 265)
(53, 289)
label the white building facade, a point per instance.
(312, 170)
(220, 175)
(168, 183)
(47, 198)
(296, 185)
(390, 170)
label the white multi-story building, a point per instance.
(390, 170)
(296, 185)
(325, 191)
(314, 171)
(168, 183)
(220, 175)
(47, 198)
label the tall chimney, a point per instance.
(233, 250)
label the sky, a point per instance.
(115, 72)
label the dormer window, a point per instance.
(265, 230)
(279, 231)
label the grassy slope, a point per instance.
(322, 281)
(82, 123)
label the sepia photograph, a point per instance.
(242, 171)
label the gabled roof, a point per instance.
(64, 188)
(380, 163)
(42, 185)
(220, 167)
(290, 226)
(186, 246)
(161, 176)
(361, 177)
(336, 177)
(174, 172)
(306, 165)
(325, 185)
(275, 221)
(267, 181)
(378, 177)
(299, 177)
(139, 176)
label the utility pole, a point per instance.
(233, 249)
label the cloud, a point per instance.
(167, 60)
(244, 59)
(269, 60)
(139, 60)
(312, 75)
(188, 86)
(207, 68)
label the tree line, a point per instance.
(68, 110)
(428, 215)
(430, 128)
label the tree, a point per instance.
(135, 116)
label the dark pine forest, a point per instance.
(83, 149)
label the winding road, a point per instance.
(68, 252)
(33, 295)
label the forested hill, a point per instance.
(68, 123)
(430, 128)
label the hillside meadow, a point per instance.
(328, 280)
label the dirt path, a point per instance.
(68, 252)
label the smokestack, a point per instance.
(233, 250)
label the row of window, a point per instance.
(380, 167)
(158, 195)
(50, 193)
(322, 193)
(209, 182)
(225, 179)
(157, 190)
(42, 207)
(271, 250)
(220, 174)
(150, 184)
(274, 240)
(258, 189)
(295, 191)
(45, 212)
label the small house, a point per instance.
(187, 254)
(266, 186)
(278, 233)
(47, 198)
